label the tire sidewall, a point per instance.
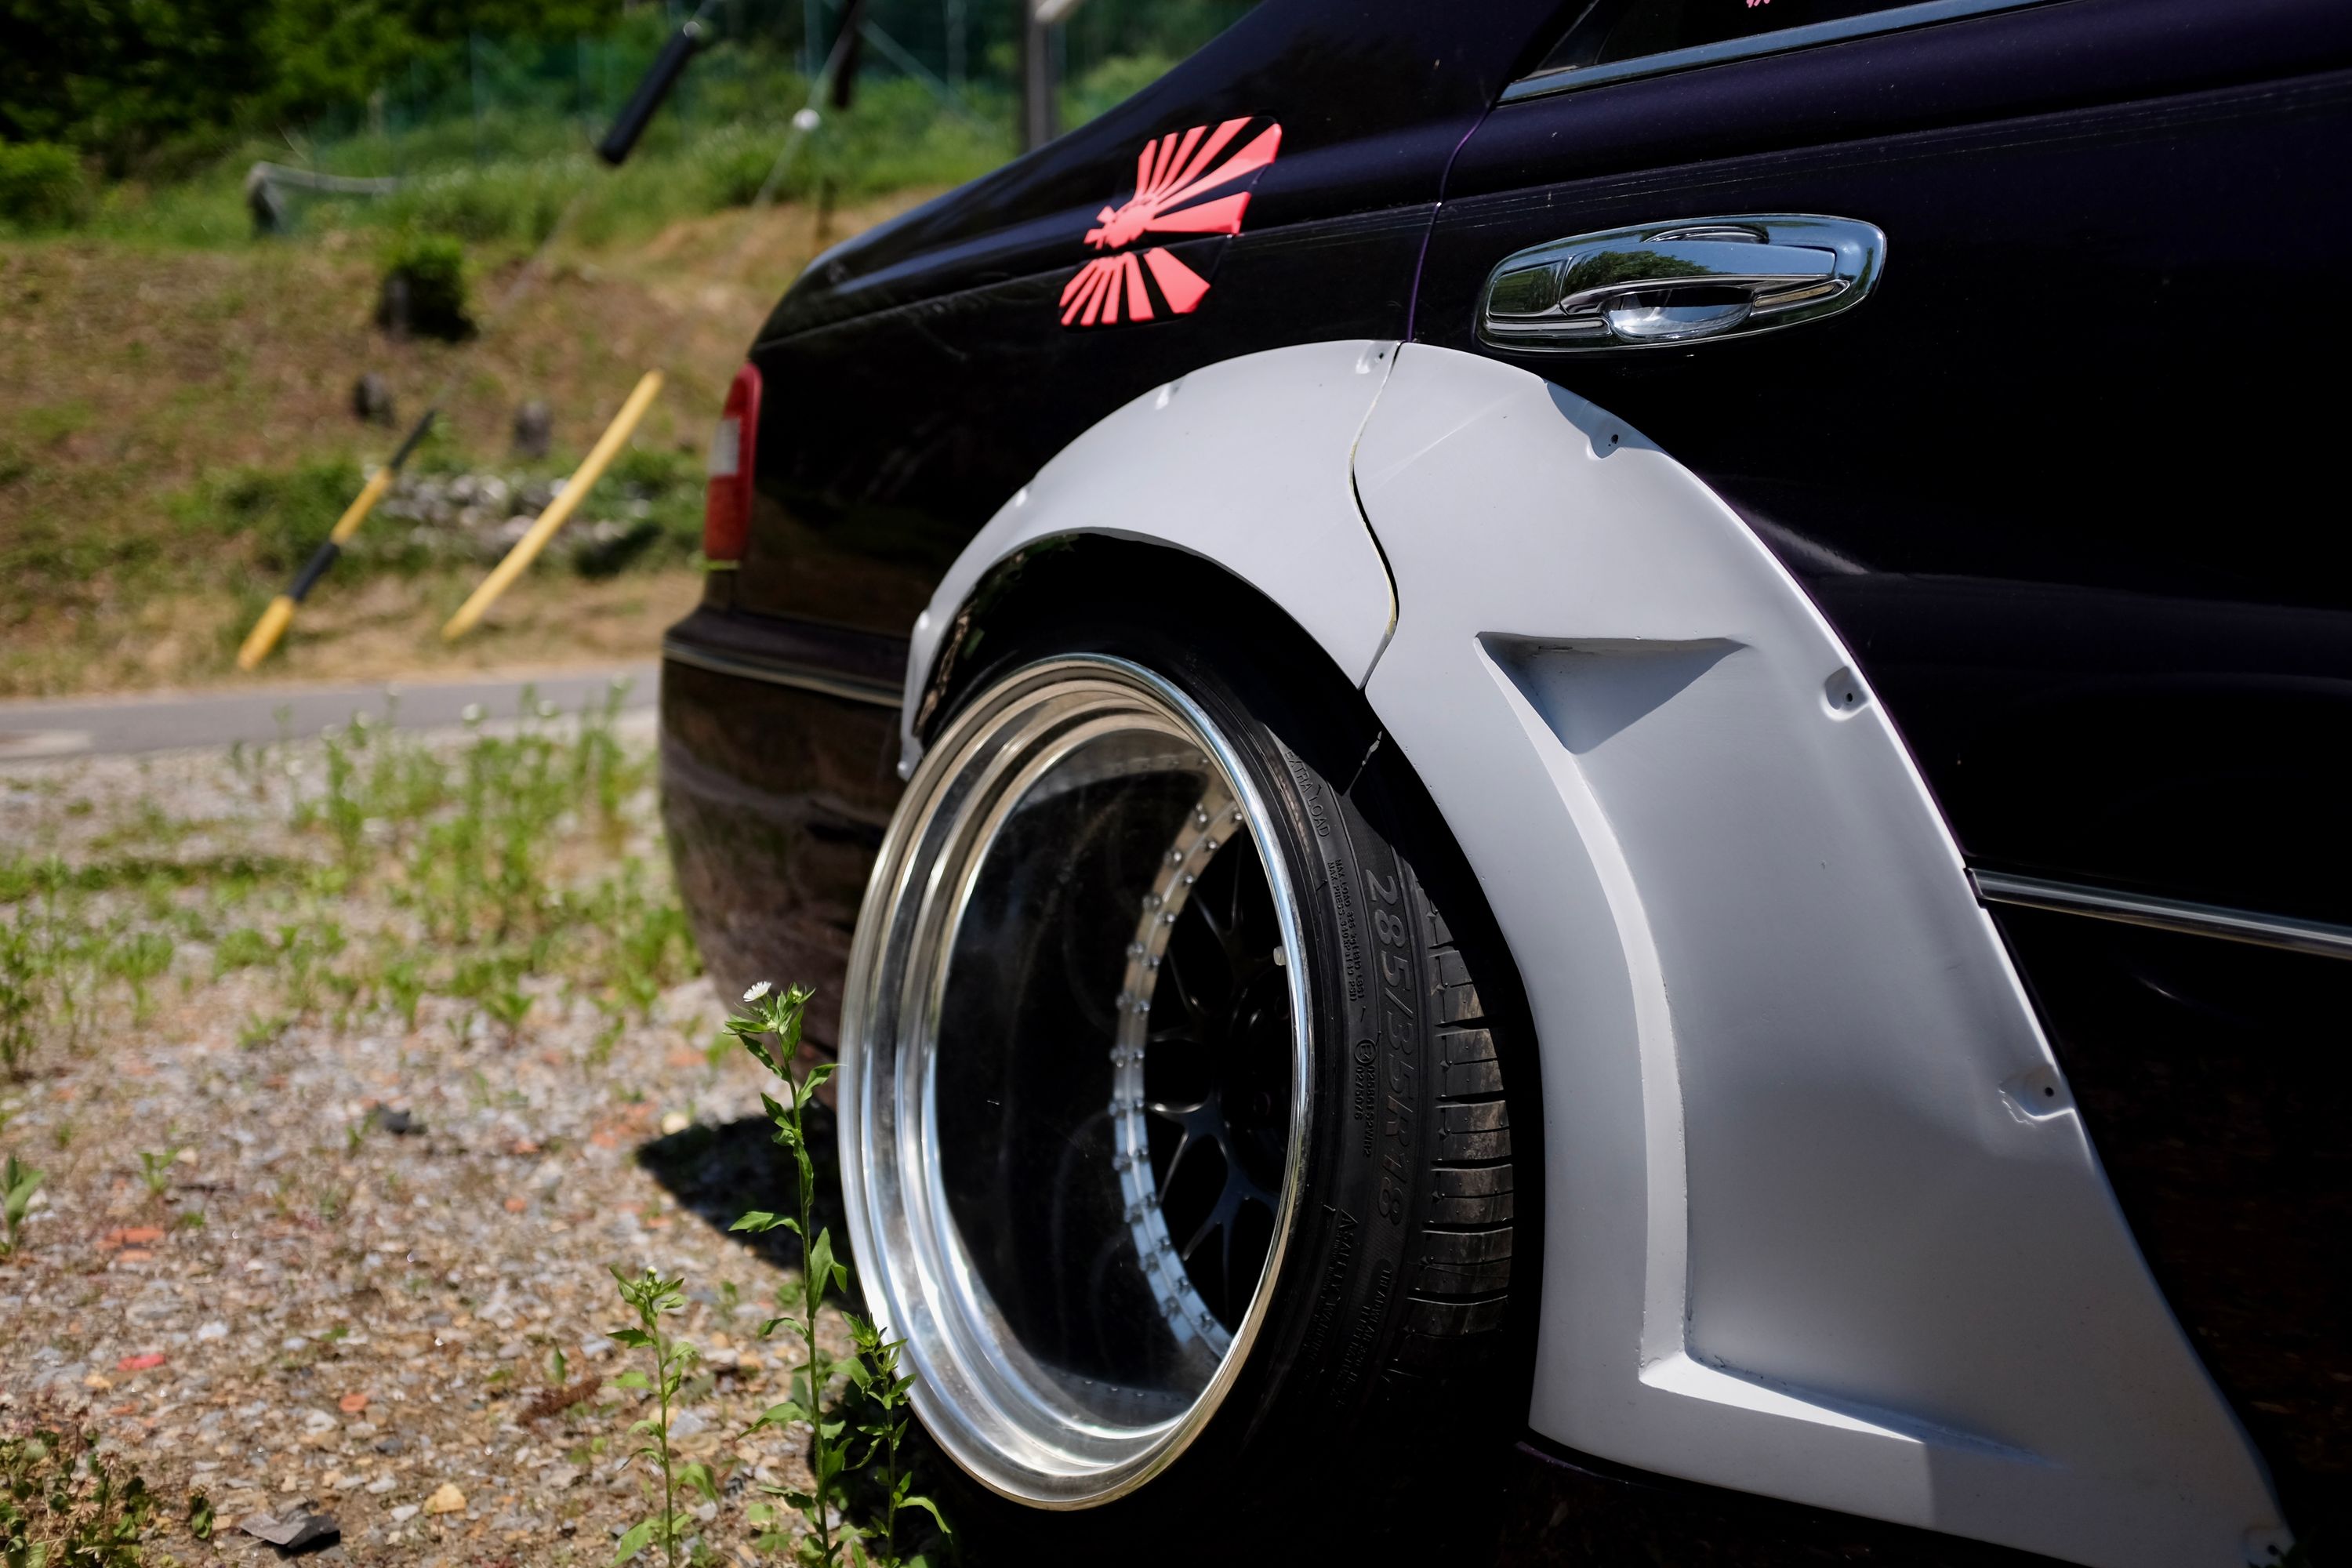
(1295, 1419)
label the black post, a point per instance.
(1039, 116)
(667, 67)
(848, 51)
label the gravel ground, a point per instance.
(367, 1241)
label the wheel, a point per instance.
(1174, 1135)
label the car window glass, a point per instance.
(1612, 30)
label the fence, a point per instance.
(492, 97)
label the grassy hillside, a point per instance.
(176, 429)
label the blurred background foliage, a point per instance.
(139, 116)
(178, 417)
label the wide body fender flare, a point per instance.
(1820, 1217)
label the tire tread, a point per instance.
(1458, 1288)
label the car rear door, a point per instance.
(2065, 482)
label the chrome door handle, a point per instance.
(1676, 283)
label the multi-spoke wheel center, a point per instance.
(1201, 1100)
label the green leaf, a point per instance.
(634, 1541)
(760, 1220)
(805, 1090)
(928, 1506)
(696, 1474)
(633, 1378)
(823, 1272)
(782, 1414)
(636, 1339)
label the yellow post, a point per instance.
(280, 612)
(266, 632)
(362, 504)
(576, 491)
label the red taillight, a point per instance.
(727, 505)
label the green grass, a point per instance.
(504, 178)
(249, 527)
(512, 857)
(501, 177)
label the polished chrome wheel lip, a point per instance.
(969, 1389)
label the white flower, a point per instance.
(757, 992)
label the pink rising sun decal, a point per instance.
(1177, 178)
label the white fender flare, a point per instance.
(1246, 463)
(1822, 1218)
(1822, 1221)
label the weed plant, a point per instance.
(62, 1506)
(654, 1299)
(156, 1169)
(19, 1182)
(840, 1444)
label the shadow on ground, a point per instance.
(719, 1173)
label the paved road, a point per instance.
(117, 724)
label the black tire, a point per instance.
(1386, 1379)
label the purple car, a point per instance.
(1579, 779)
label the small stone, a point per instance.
(211, 1331)
(446, 1499)
(317, 1532)
(534, 429)
(675, 1122)
(404, 1513)
(270, 1528)
(372, 400)
(382, 1484)
(297, 1530)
